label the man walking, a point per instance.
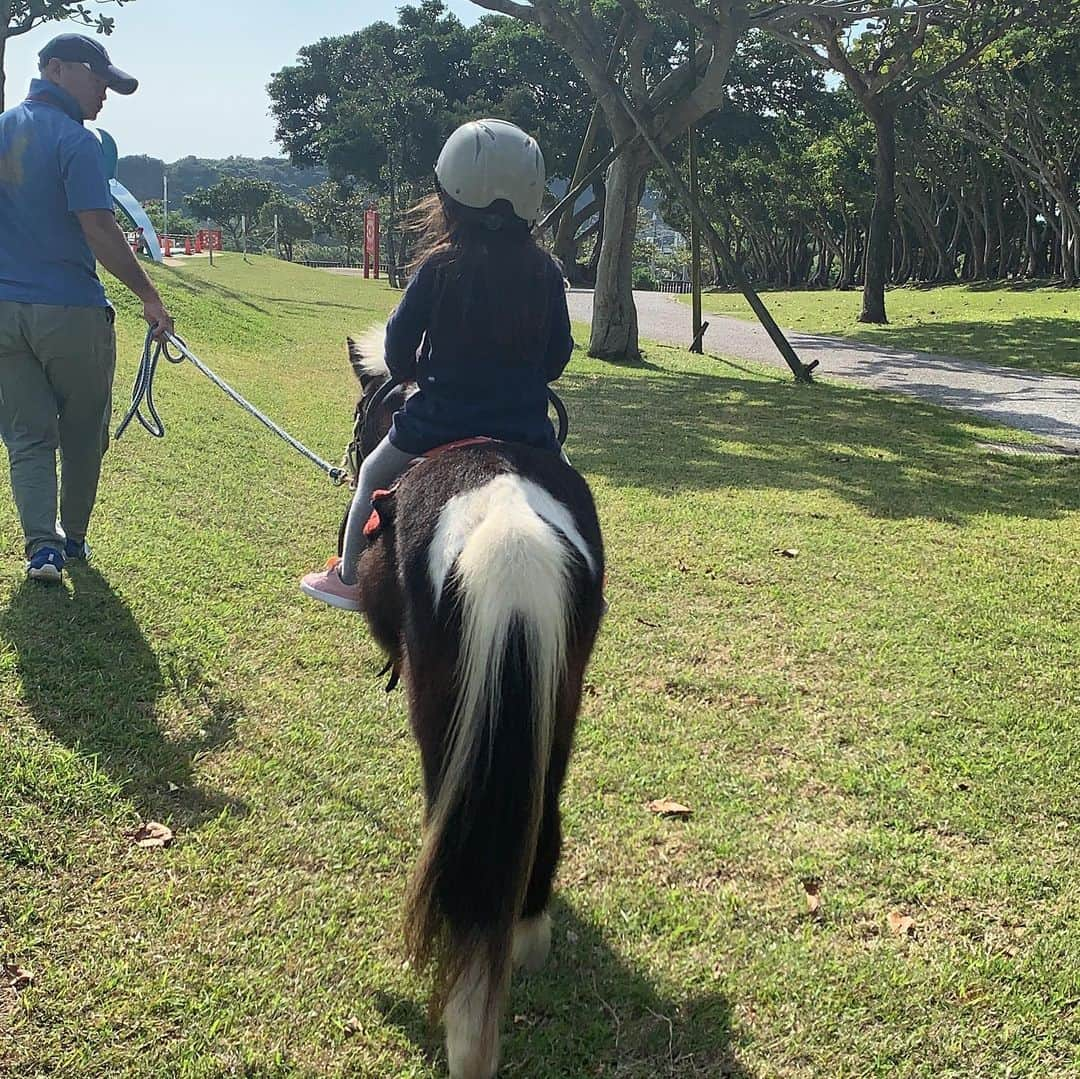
(57, 344)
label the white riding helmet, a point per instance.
(487, 160)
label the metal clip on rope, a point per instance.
(143, 390)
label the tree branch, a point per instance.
(524, 12)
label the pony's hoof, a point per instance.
(471, 1065)
(532, 942)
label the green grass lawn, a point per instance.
(1036, 329)
(891, 713)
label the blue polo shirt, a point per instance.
(51, 167)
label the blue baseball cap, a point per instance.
(79, 49)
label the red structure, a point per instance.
(207, 240)
(371, 242)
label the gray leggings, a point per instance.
(379, 469)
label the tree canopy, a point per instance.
(229, 202)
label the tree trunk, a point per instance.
(847, 256)
(879, 239)
(394, 251)
(614, 325)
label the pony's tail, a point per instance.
(513, 579)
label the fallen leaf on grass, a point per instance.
(901, 924)
(16, 977)
(812, 887)
(152, 834)
(665, 807)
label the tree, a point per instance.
(230, 200)
(658, 85)
(19, 17)
(757, 169)
(1021, 108)
(142, 175)
(527, 79)
(905, 49)
(179, 225)
(375, 106)
(337, 210)
(292, 223)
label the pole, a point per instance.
(695, 233)
(276, 248)
(572, 194)
(243, 234)
(165, 201)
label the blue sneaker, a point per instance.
(45, 564)
(77, 552)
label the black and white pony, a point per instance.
(483, 584)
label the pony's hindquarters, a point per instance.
(510, 572)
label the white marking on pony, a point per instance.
(511, 566)
(513, 496)
(368, 352)
(472, 1028)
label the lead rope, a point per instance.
(143, 390)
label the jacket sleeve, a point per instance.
(560, 344)
(407, 325)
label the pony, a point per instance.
(483, 585)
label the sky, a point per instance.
(204, 94)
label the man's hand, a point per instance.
(159, 319)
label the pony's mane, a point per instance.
(367, 353)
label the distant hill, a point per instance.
(143, 175)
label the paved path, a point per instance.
(1047, 405)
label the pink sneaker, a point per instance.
(327, 585)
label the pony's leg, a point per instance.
(532, 934)
(473, 1011)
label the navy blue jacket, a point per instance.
(467, 384)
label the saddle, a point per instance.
(382, 501)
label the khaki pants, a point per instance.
(56, 374)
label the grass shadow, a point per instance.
(92, 681)
(589, 1013)
(693, 431)
(200, 286)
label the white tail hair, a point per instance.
(511, 566)
(503, 545)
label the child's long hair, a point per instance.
(488, 267)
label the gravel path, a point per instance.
(1047, 405)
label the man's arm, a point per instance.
(110, 248)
